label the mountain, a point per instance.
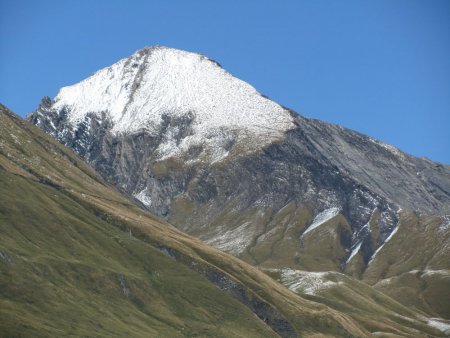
(189, 141)
(79, 259)
(208, 153)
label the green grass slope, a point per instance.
(65, 272)
(373, 309)
(414, 266)
(79, 259)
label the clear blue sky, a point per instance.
(379, 67)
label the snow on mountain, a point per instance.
(394, 231)
(306, 281)
(139, 92)
(440, 324)
(321, 218)
(355, 250)
(144, 198)
(235, 240)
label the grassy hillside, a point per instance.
(366, 305)
(414, 266)
(78, 259)
(65, 272)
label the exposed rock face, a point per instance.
(214, 157)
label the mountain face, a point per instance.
(218, 160)
(79, 259)
(185, 98)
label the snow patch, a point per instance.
(143, 197)
(387, 240)
(436, 272)
(384, 282)
(388, 147)
(52, 124)
(233, 241)
(354, 252)
(321, 218)
(445, 225)
(440, 324)
(218, 154)
(419, 273)
(306, 282)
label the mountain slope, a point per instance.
(205, 151)
(64, 272)
(218, 160)
(77, 258)
(366, 304)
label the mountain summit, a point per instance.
(161, 88)
(207, 152)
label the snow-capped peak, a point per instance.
(137, 92)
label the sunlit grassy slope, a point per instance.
(79, 259)
(373, 309)
(64, 271)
